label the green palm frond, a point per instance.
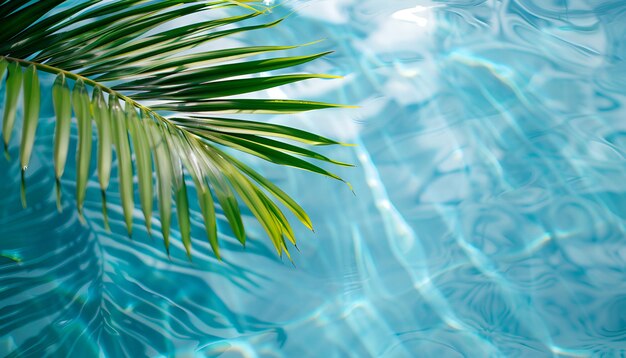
(112, 58)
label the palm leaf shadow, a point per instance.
(80, 297)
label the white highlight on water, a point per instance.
(417, 15)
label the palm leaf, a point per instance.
(127, 55)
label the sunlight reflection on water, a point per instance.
(488, 219)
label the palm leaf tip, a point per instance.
(13, 87)
(31, 118)
(83, 111)
(62, 108)
(125, 52)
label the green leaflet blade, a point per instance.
(82, 109)
(279, 217)
(24, 17)
(23, 48)
(83, 34)
(185, 156)
(147, 194)
(225, 88)
(278, 146)
(180, 191)
(182, 211)
(63, 112)
(206, 74)
(143, 163)
(103, 124)
(269, 209)
(242, 3)
(14, 85)
(290, 148)
(259, 106)
(266, 153)
(252, 197)
(207, 206)
(48, 33)
(156, 47)
(192, 60)
(31, 114)
(225, 196)
(239, 126)
(162, 161)
(31, 118)
(259, 210)
(124, 162)
(118, 34)
(192, 159)
(102, 116)
(106, 9)
(296, 209)
(9, 6)
(3, 67)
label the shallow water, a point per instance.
(488, 220)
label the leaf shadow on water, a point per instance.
(78, 288)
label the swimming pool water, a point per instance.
(488, 218)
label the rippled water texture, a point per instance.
(489, 216)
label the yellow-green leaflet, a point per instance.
(103, 124)
(207, 205)
(80, 100)
(192, 160)
(143, 163)
(63, 112)
(31, 118)
(163, 163)
(31, 114)
(124, 161)
(256, 201)
(180, 192)
(225, 196)
(273, 189)
(102, 117)
(208, 214)
(3, 68)
(182, 211)
(14, 84)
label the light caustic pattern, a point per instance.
(488, 220)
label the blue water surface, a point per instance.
(487, 220)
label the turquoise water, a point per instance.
(488, 221)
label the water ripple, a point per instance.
(489, 217)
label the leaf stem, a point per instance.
(90, 82)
